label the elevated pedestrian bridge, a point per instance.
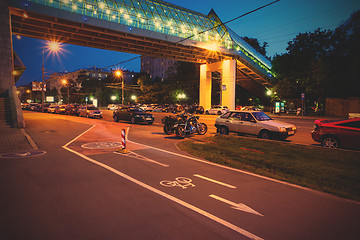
(145, 27)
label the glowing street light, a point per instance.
(133, 97)
(113, 98)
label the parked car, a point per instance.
(217, 110)
(34, 106)
(60, 109)
(90, 111)
(254, 123)
(72, 109)
(25, 105)
(112, 107)
(52, 108)
(337, 134)
(133, 114)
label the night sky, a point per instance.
(277, 25)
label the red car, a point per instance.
(337, 134)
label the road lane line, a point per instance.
(214, 181)
(79, 136)
(165, 195)
(142, 158)
(225, 167)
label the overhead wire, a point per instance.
(189, 37)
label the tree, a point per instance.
(183, 76)
(256, 45)
(321, 64)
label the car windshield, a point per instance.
(136, 110)
(92, 108)
(261, 116)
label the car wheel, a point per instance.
(207, 112)
(219, 113)
(264, 134)
(330, 142)
(223, 130)
(116, 118)
(150, 123)
(132, 120)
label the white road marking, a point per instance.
(79, 136)
(225, 167)
(237, 206)
(214, 181)
(138, 156)
(176, 200)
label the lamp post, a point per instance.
(53, 47)
(118, 74)
(29, 92)
(65, 82)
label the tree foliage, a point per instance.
(321, 64)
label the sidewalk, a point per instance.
(13, 140)
(284, 115)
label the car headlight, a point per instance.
(282, 129)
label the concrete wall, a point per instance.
(6, 62)
(342, 107)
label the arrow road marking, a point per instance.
(237, 206)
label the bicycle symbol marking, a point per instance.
(182, 182)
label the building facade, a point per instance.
(156, 67)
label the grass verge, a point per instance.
(327, 170)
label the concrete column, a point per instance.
(228, 83)
(6, 59)
(205, 87)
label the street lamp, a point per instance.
(65, 82)
(113, 98)
(118, 74)
(52, 47)
(29, 92)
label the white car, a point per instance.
(254, 123)
(217, 110)
(112, 107)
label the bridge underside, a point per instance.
(40, 26)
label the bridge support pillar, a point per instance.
(227, 68)
(6, 60)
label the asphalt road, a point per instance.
(82, 189)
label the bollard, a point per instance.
(123, 142)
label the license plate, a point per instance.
(291, 133)
(148, 119)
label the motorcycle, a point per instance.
(171, 122)
(189, 126)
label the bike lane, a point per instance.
(253, 206)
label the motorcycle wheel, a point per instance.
(168, 129)
(180, 131)
(202, 129)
